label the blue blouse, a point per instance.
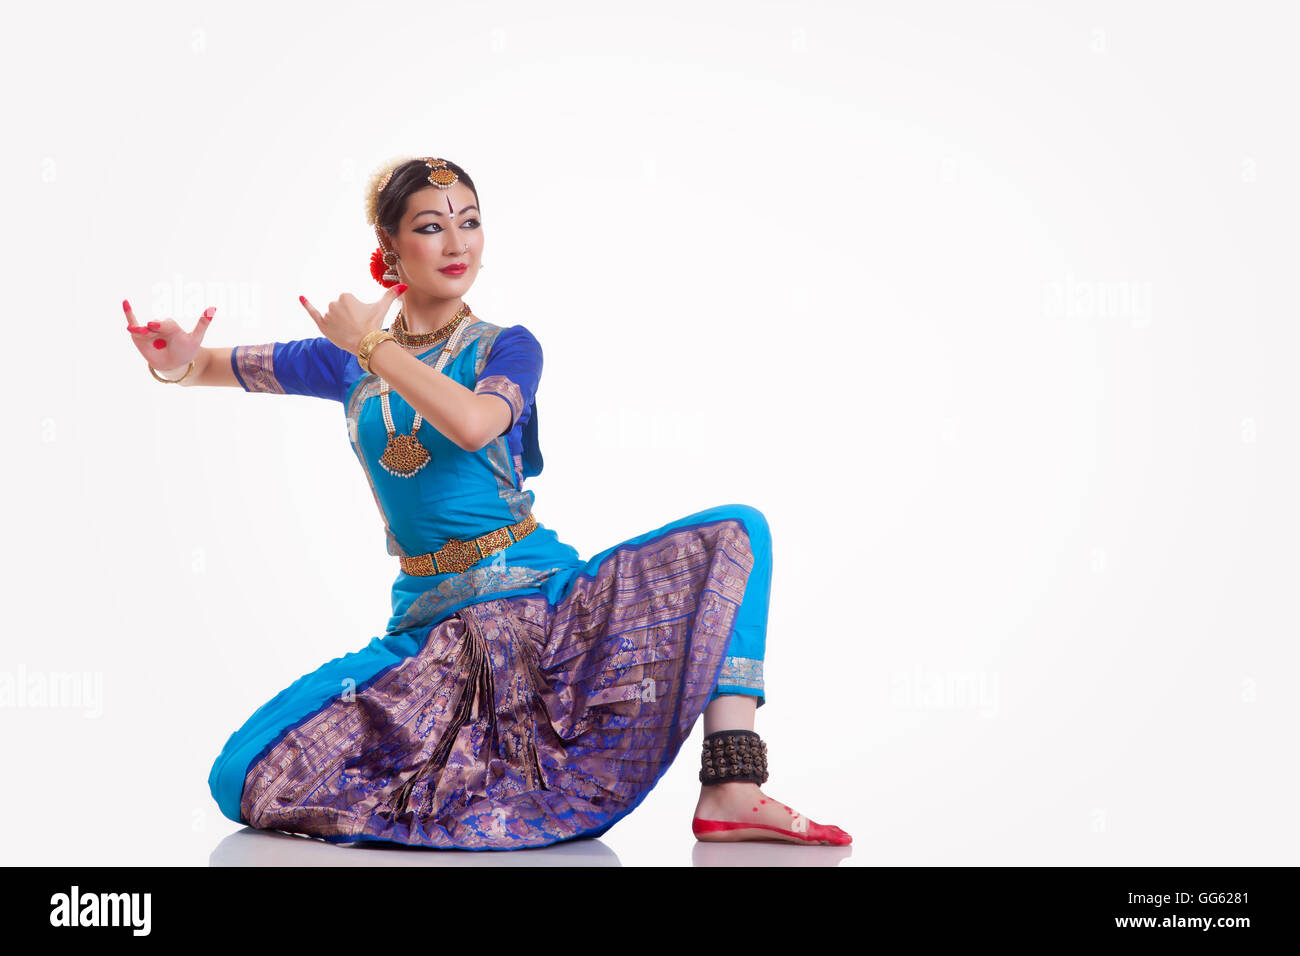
(457, 494)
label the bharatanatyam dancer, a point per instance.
(519, 696)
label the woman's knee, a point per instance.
(755, 523)
(226, 783)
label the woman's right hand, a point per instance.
(165, 345)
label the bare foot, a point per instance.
(745, 803)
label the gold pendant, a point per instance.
(404, 456)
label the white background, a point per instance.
(990, 308)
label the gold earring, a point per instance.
(390, 257)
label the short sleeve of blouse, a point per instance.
(512, 371)
(312, 367)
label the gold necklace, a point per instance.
(425, 339)
(404, 455)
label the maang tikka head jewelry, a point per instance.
(383, 262)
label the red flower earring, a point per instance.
(383, 268)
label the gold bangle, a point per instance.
(174, 381)
(367, 346)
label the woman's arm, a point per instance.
(469, 420)
(211, 367)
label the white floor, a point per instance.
(248, 847)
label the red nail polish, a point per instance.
(126, 306)
(155, 326)
(302, 299)
(401, 289)
(160, 343)
(209, 312)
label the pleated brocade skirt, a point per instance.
(521, 723)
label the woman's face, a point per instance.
(440, 228)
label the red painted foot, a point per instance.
(817, 835)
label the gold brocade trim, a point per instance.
(742, 672)
(504, 388)
(456, 555)
(432, 605)
(256, 367)
(509, 477)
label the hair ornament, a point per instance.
(440, 174)
(375, 185)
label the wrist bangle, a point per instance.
(367, 346)
(174, 381)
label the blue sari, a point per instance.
(532, 698)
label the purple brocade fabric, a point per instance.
(520, 724)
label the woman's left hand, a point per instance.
(348, 319)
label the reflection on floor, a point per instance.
(249, 847)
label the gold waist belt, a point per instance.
(456, 556)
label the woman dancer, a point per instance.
(520, 696)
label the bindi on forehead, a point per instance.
(448, 204)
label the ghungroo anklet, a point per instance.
(732, 756)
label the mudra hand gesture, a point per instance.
(165, 345)
(348, 319)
